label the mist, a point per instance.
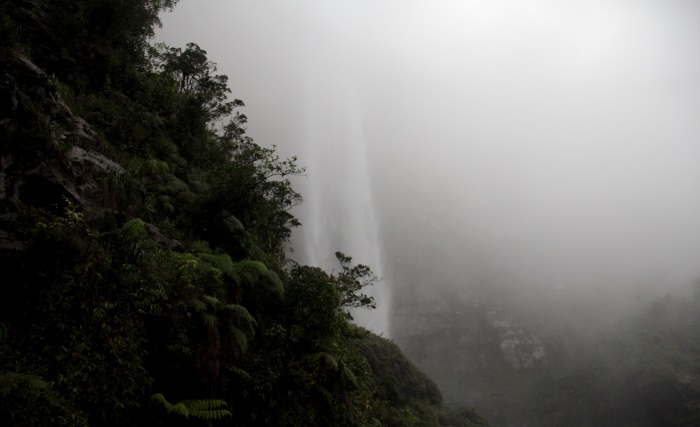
(520, 143)
(528, 164)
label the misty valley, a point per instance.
(450, 213)
(542, 360)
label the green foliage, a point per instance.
(193, 73)
(27, 399)
(401, 380)
(203, 409)
(168, 272)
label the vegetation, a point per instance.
(143, 242)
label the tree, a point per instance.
(195, 77)
(350, 282)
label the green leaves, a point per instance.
(195, 77)
(134, 229)
(220, 261)
(349, 376)
(256, 273)
(203, 409)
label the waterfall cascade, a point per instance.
(338, 212)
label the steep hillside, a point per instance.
(143, 244)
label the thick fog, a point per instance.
(511, 144)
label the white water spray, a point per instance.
(338, 212)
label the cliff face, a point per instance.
(524, 366)
(479, 351)
(483, 335)
(520, 349)
(47, 157)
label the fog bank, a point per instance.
(537, 144)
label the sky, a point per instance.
(539, 143)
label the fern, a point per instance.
(275, 283)
(253, 271)
(9, 381)
(240, 338)
(203, 409)
(327, 396)
(210, 320)
(213, 301)
(175, 186)
(233, 223)
(250, 270)
(155, 167)
(221, 261)
(238, 371)
(240, 313)
(198, 305)
(326, 359)
(208, 410)
(134, 229)
(348, 375)
(165, 204)
(187, 197)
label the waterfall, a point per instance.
(338, 212)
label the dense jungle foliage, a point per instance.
(143, 242)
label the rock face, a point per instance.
(49, 157)
(483, 335)
(46, 156)
(479, 352)
(520, 349)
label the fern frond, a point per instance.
(212, 414)
(187, 197)
(198, 305)
(327, 396)
(175, 186)
(240, 312)
(134, 229)
(250, 270)
(257, 253)
(210, 320)
(233, 223)
(233, 275)
(155, 167)
(253, 271)
(159, 398)
(206, 409)
(326, 359)
(240, 338)
(10, 381)
(165, 202)
(204, 404)
(275, 283)
(211, 300)
(238, 371)
(221, 261)
(348, 375)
